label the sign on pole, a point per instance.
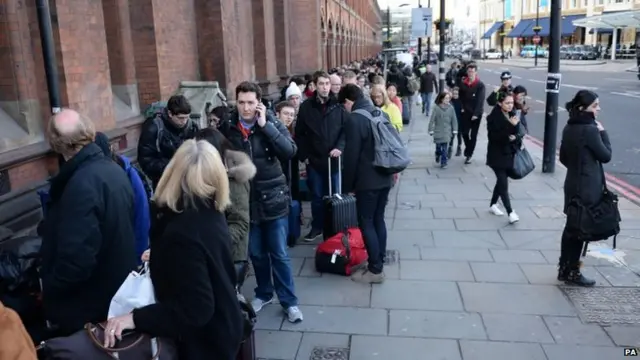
(421, 22)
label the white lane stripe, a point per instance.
(622, 80)
(537, 81)
(635, 96)
(516, 77)
(582, 87)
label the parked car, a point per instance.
(492, 54)
(475, 54)
(583, 52)
(565, 51)
(529, 51)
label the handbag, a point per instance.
(595, 222)
(522, 164)
(87, 344)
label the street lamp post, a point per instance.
(419, 40)
(552, 89)
(536, 30)
(442, 27)
(429, 39)
(504, 4)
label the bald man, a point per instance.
(336, 83)
(88, 234)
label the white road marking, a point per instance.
(622, 80)
(539, 101)
(581, 87)
(537, 81)
(516, 77)
(635, 96)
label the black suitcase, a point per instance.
(340, 211)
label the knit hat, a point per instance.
(505, 75)
(292, 90)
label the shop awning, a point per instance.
(543, 22)
(616, 20)
(567, 27)
(492, 29)
(522, 26)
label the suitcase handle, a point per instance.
(339, 189)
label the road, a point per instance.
(619, 94)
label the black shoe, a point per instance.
(459, 151)
(437, 159)
(449, 152)
(563, 272)
(312, 235)
(467, 161)
(575, 277)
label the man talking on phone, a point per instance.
(268, 142)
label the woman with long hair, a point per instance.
(584, 148)
(505, 138)
(381, 99)
(191, 264)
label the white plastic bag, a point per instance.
(135, 292)
(417, 99)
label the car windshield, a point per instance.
(492, 50)
(578, 48)
(588, 48)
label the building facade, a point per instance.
(516, 19)
(115, 57)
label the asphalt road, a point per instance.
(619, 99)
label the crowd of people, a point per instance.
(203, 204)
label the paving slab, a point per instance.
(570, 330)
(312, 345)
(455, 254)
(501, 273)
(277, 344)
(313, 291)
(624, 335)
(341, 320)
(519, 328)
(490, 239)
(494, 350)
(417, 295)
(392, 348)
(582, 352)
(518, 256)
(436, 324)
(436, 270)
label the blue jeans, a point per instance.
(441, 151)
(406, 109)
(318, 183)
(426, 102)
(268, 254)
(371, 205)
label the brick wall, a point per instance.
(304, 35)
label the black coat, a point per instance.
(428, 83)
(193, 277)
(583, 151)
(268, 148)
(500, 149)
(359, 173)
(320, 129)
(150, 160)
(401, 81)
(472, 98)
(88, 246)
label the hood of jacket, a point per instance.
(239, 166)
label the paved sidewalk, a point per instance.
(464, 284)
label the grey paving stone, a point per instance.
(455, 254)
(392, 271)
(535, 224)
(460, 203)
(277, 344)
(423, 224)
(523, 212)
(518, 256)
(410, 189)
(531, 239)
(493, 272)
(435, 270)
(546, 274)
(463, 189)
(309, 268)
(436, 324)
(418, 214)
(520, 328)
(341, 320)
(582, 352)
(311, 340)
(570, 330)
(455, 213)
(296, 265)
(344, 292)
(495, 223)
(515, 299)
(302, 251)
(619, 276)
(423, 198)
(270, 318)
(494, 350)
(548, 212)
(466, 195)
(416, 295)
(391, 348)
(624, 335)
(468, 239)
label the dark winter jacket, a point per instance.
(500, 149)
(320, 129)
(359, 173)
(583, 151)
(428, 83)
(88, 245)
(152, 161)
(472, 98)
(240, 170)
(194, 281)
(267, 147)
(451, 77)
(401, 81)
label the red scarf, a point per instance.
(469, 83)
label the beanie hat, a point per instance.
(292, 90)
(505, 75)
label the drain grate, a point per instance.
(606, 306)
(391, 257)
(329, 353)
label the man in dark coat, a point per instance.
(472, 92)
(268, 142)
(88, 245)
(584, 148)
(370, 186)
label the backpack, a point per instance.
(146, 183)
(414, 84)
(151, 113)
(391, 155)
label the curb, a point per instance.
(543, 65)
(624, 189)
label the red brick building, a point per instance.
(117, 56)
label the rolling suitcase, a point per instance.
(340, 212)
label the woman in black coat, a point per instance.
(191, 264)
(505, 137)
(585, 147)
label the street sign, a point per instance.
(421, 22)
(536, 39)
(553, 83)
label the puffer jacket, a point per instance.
(443, 123)
(152, 161)
(240, 170)
(267, 147)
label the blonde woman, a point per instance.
(381, 99)
(191, 264)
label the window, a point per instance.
(573, 4)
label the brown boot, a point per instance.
(367, 277)
(575, 277)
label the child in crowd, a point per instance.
(442, 126)
(457, 106)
